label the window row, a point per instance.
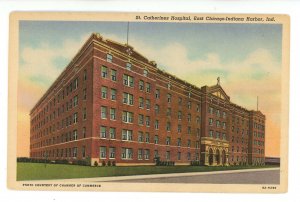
(142, 154)
(217, 135)
(66, 152)
(109, 58)
(127, 79)
(218, 123)
(212, 111)
(65, 137)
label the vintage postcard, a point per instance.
(149, 102)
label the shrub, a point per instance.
(195, 163)
(113, 163)
(108, 163)
(61, 161)
(95, 163)
(103, 163)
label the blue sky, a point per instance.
(230, 41)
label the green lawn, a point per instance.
(41, 171)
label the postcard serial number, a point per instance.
(269, 187)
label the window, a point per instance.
(148, 87)
(147, 154)
(179, 142)
(84, 132)
(74, 152)
(169, 86)
(103, 131)
(128, 98)
(148, 121)
(75, 101)
(198, 108)
(140, 137)
(178, 155)
(211, 121)
(167, 155)
(224, 136)
(224, 115)
(197, 144)
(169, 98)
(102, 152)
(75, 84)
(211, 133)
(189, 117)
(218, 135)
(189, 105)
(147, 104)
(189, 130)
(141, 85)
(128, 80)
(224, 126)
(179, 115)
(157, 93)
(103, 112)
(109, 58)
(103, 92)
(104, 72)
(127, 153)
(113, 75)
(140, 154)
(147, 138)
(168, 127)
(218, 123)
(156, 139)
(156, 125)
(145, 72)
(112, 133)
(113, 93)
(75, 118)
(179, 129)
(188, 156)
(156, 153)
(218, 112)
(198, 132)
(141, 102)
(189, 143)
(112, 114)
(127, 117)
(141, 119)
(156, 108)
(112, 152)
(84, 114)
(84, 94)
(168, 111)
(198, 120)
(84, 75)
(211, 110)
(168, 141)
(75, 135)
(82, 151)
(128, 66)
(179, 101)
(126, 134)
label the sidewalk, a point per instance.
(153, 176)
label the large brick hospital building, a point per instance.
(113, 104)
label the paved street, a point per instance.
(249, 177)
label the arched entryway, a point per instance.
(218, 157)
(223, 157)
(210, 157)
